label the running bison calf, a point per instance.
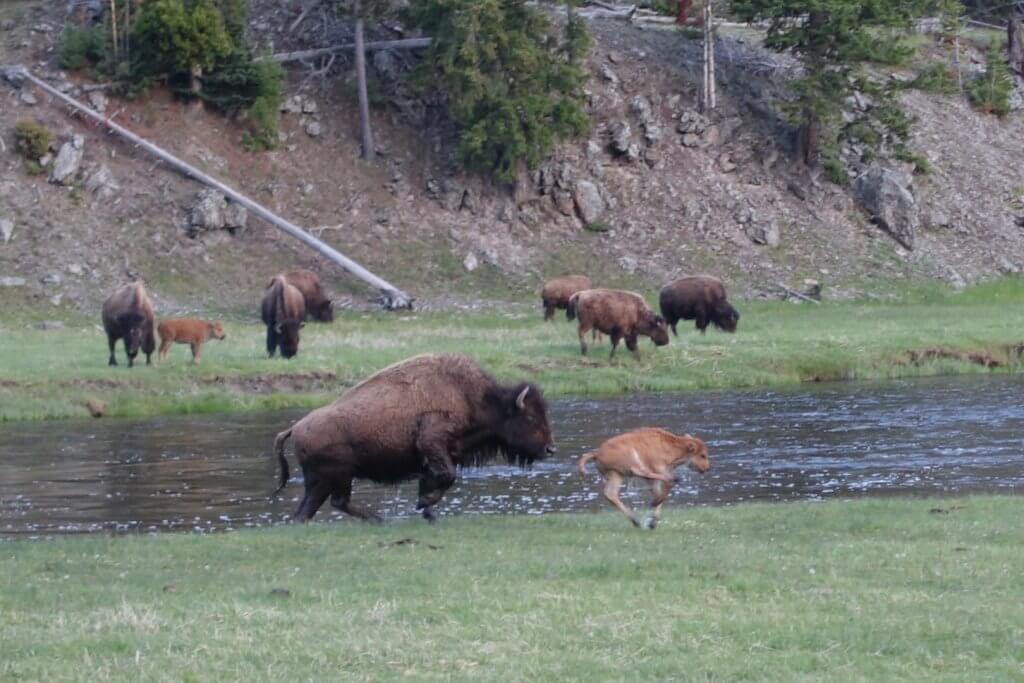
(283, 310)
(318, 305)
(423, 417)
(619, 314)
(700, 298)
(187, 331)
(647, 453)
(128, 315)
(556, 293)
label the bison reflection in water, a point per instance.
(422, 417)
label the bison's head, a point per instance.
(325, 312)
(288, 336)
(131, 326)
(524, 430)
(654, 327)
(217, 331)
(727, 317)
(695, 454)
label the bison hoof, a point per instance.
(429, 515)
(651, 524)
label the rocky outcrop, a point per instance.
(212, 211)
(589, 202)
(886, 195)
(68, 161)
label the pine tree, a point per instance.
(510, 88)
(990, 91)
(833, 39)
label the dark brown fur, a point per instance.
(318, 304)
(283, 310)
(187, 331)
(128, 315)
(649, 453)
(422, 417)
(700, 298)
(620, 315)
(556, 293)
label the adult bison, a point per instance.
(619, 314)
(318, 305)
(128, 315)
(283, 310)
(422, 417)
(700, 298)
(556, 293)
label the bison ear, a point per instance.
(521, 398)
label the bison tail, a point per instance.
(279, 451)
(570, 309)
(581, 464)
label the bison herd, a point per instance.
(425, 417)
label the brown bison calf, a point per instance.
(556, 293)
(700, 298)
(283, 310)
(318, 305)
(647, 453)
(620, 315)
(187, 331)
(128, 315)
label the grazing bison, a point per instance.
(187, 331)
(556, 293)
(422, 417)
(283, 311)
(128, 315)
(647, 453)
(700, 298)
(318, 305)
(619, 314)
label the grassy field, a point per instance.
(876, 590)
(48, 374)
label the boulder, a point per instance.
(6, 230)
(589, 202)
(620, 134)
(235, 217)
(98, 101)
(764, 232)
(471, 262)
(101, 183)
(644, 112)
(68, 161)
(886, 196)
(207, 213)
(312, 128)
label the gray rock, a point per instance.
(633, 152)
(98, 101)
(49, 325)
(45, 160)
(936, 219)
(75, 269)
(620, 134)
(68, 161)
(609, 75)
(885, 194)
(102, 183)
(207, 213)
(51, 279)
(726, 164)
(27, 98)
(691, 121)
(642, 109)
(589, 202)
(309, 106)
(14, 75)
(766, 233)
(563, 201)
(614, 57)
(292, 105)
(6, 230)
(799, 191)
(235, 216)
(1007, 267)
(11, 281)
(629, 264)
(453, 194)
(385, 65)
(471, 262)
(691, 140)
(312, 128)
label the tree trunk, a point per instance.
(708, 94)
(369, 153)
(807, 138)
(1015, 43)
(195, 84)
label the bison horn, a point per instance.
(521, 398)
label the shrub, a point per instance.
(937, 78)
(32, 140)
(81, 47)
(990, 91)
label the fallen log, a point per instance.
(794, 293)
(393, 297)
(402, 44)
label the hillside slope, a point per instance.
(670, 205)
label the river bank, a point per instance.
(908, 589)
(53, 373)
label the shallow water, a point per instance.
(933, 436)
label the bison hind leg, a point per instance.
(317, 490)
(112, 342)
(341, 499)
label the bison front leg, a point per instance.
(549, 312)
(271, 340)
(112, 342)
(631, 344)
(433, 443)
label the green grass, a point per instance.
(878, 590)
(47, 374)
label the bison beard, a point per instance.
(424, 417)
